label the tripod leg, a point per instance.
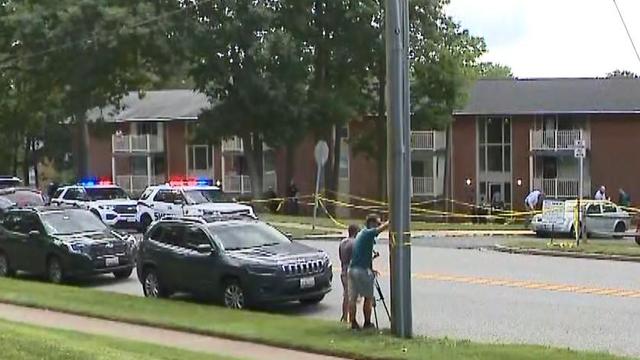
(375, 313)
(381, 295)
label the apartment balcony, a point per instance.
(422, 186)
(558, 188)
(557, 140)
(233, 145)
(136, 184)
(237, 184)
(137, 144)
(427, 140)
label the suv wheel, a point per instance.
(312, 301)
(151, 285)
(620, 228)
(145, 221)
(55, 273)
(123, 274)
(5, 268)
(234, 296)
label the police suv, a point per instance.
(186, 198)
(107, 201)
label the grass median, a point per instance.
(293, 332)
(24, 342)
(601, 247)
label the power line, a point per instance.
(12, 60)
(627, 30)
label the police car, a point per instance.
(195, 197)
(107, 201)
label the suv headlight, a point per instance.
(79, 248)
(262, 269)
(106, 207)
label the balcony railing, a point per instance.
(558, 188)
(427, 140)
(422, 186)
(556, 140)
(237, 184)
(232, 145)
(136, 184)
(137, 144)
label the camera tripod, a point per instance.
(379, 298)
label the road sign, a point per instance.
(321, 152)
(580, 153)
(579, 143)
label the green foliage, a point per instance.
(489, 70)
(622, 74)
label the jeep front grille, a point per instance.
(303, 268)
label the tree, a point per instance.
(489, 70)
(622, 74)
(92, 52)
(254, 74)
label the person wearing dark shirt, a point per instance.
(345, 251)
(361, 275)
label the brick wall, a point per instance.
(175, 142)
(520, 126)
(463, 166)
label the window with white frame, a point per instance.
(199, 158)
(344, 152)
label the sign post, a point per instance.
(399, 164)
(580, 152)
(321, 154)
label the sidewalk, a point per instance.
(176, 339)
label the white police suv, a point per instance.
(107, 201)
(186, 198)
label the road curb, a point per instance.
(435, 234)
(555, 253)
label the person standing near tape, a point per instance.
(361, 274)
(344, 252)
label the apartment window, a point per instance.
(269, 161)
(417, 169)
(344, 152)
(146, 128)
(494, 137)
(199, 157)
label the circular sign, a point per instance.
(321, 152)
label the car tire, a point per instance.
(638, 240)
(145, 221)
(312, 301)
(620, 228)
(152, 286)
(55, 271)
(5, 266)
(234, 296)
(123, 274)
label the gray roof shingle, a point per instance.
(157, 105)
(553, 95)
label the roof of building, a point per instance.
(156, 105)
(553, 95)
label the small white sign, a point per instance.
(580, 152)
(321, 152)
(308, 282)
(579, 143)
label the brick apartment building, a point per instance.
(516, 135)
(512, 136)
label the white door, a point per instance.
(166, 203)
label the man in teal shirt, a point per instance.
(361, 274)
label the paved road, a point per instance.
(486, 296)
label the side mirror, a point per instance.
(205, 249)
(34, 233)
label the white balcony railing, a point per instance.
(136, 184)
(137, 144)
(555, 140)
(427, 140)
(558, 188)
(237, 184)
(232, 145)
(422, 186)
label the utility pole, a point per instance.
(399, 164)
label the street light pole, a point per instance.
(399, 164)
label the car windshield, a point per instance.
(71, 222)
(248, 235)
(110, 193)
(24, 198)
(203, 196)
(5, 183)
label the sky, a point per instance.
(554, 38)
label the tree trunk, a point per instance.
(253, 153)
(82, 150)
(289, 165)
(334, 177)
(14, 154)
(34, 158)
(26, 163)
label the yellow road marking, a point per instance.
(523, 284)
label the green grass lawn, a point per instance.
(608, 247)
(324, 222)
(287, 331)
(23, 342)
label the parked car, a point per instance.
(61, 243)
(108, 202)
(601, 218)
(186, 198)
(22, 196)
(241, 262)
(7, 181)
